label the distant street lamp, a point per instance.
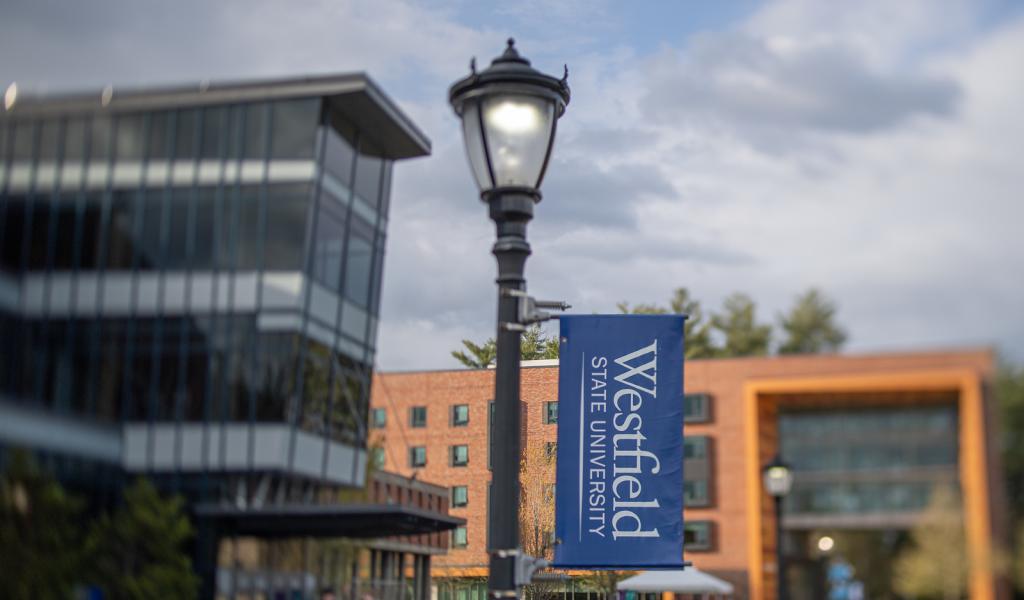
(509, 111)
(778, 480)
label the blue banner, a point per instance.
(619, 487)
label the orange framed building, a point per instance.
(869, 436)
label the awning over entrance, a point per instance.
(687, 581)
(333, 520)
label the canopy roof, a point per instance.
(687, 581)
(334, 520)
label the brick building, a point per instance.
(869, 437)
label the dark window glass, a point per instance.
(696, 408)
(460, 455)
(697, 471)
(74, 139)
(316, 390)
(358, 261)
(695, 493)
(460, 496)
(160, 130)
(551, 412)
(278, 357)
(418, 416)
(256, 117)
(348, 400)
(368, 170)
(460, 415)
(226, 214)
(150, 243)
(238, 371)
(37, 227)
(24, 139)
(236, 131)
(205, 216)
(178, 241)
(339, 152)
(379, 418)
(130, 137)
(697, 535)
(417, 456)
(286, 226)
(186, 133)
(111, 364)
(248, 235)
(121, 230)
(66, 242)
(214, 132)
(197, 370)
(329, 247)
(91, 230)
(10, 243)
(166, 361)
(294, 128)
(49, 140)
(695, 447)
(101, 137)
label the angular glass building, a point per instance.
(190, 284)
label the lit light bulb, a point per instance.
(11, 96)
(514, 117)
(826, 543)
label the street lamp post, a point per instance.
(508, 112)
(778, 480)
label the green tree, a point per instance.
(40, 539)
(935, 565)
(139, 550)
(810, 326)
(479, 356)
(741, 333)
(697, 331)
(533, 345)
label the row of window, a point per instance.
(204, 368)
(698, 536)
(697, 409)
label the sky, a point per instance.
(870, 149)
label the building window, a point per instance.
(698, 536)
(697, 471)
(695, 447)
(550, 450)
(378, 418)
(418, 416)
(459, 537)
(696, 408)
(460, 496)
(460, 415)
(695, 493)
(417, 456)
(377, 455)
(460, 455)
(551, 412)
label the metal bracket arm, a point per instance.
(529, 309)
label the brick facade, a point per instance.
(726, 381)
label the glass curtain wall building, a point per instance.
(190, 283)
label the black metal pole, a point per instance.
(511, 210)
(780, 560)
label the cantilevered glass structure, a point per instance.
(190, 283)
